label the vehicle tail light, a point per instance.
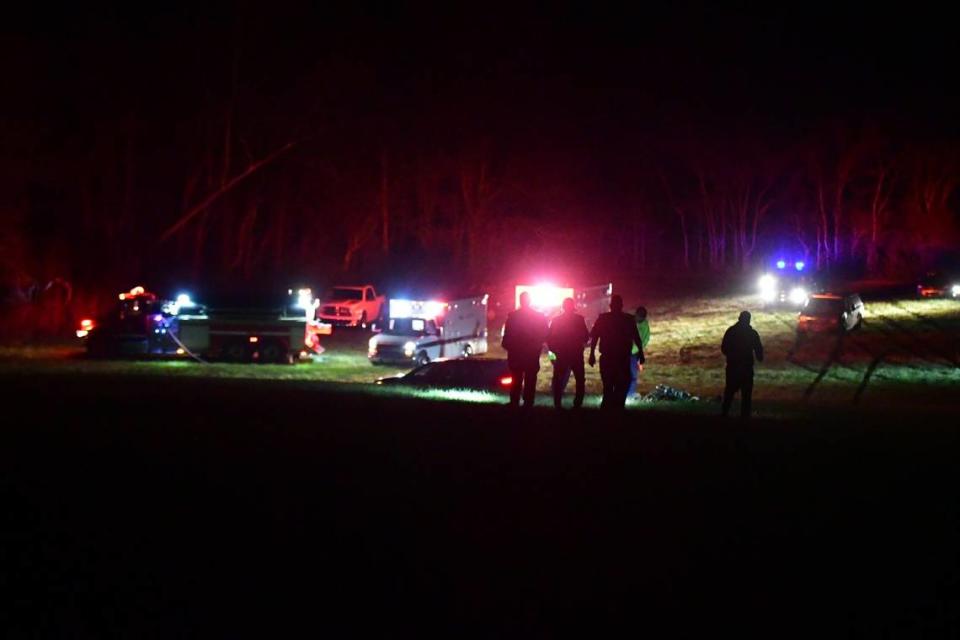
(506, 381)
(254, 339)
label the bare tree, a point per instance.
(681, 214)
(878, 209)
(477, 190)
(384, 204)
(228, 186)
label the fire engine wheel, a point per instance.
(422, 358)
(271, 352)
(236, 352)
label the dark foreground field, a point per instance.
(152, 507)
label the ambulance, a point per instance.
(419, 331)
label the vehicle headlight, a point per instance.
(372, 346)
(409, 348)
(798, 295)
(955, 290)
(768, 287)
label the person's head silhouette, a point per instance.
(524, 300)
(568, 305)
(616, 303)
(744, 317)
(641, 313)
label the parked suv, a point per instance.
(831, 312)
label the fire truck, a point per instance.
(418, 331)
(232, 328)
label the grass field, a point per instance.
(907, 353)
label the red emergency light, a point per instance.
(85, 326)
(544, 297)
(506, 381)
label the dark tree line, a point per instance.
(310, 203)
(209, 161)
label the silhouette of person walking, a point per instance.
(740, 344)
(643, 328)
(523, 336)
(616, 332)
(566, 339)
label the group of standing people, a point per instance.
(621, 338)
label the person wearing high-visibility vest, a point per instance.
(643, 328)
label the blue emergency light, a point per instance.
(781, 264)
(799, 265)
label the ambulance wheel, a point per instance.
(422, 358)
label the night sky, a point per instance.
(768, 66)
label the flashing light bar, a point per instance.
(425, 309)
(781, 264)
(799, 265)
(133, 293)
(543, 297)
(183, 301)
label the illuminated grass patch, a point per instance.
(908, 352)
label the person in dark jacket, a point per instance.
(740, 344)
(523, 336)
(616, 332)
(566, 339)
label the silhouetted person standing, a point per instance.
(616, 332)
(643, 328)
(567, 338)
(523, 336)
(740, 344)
